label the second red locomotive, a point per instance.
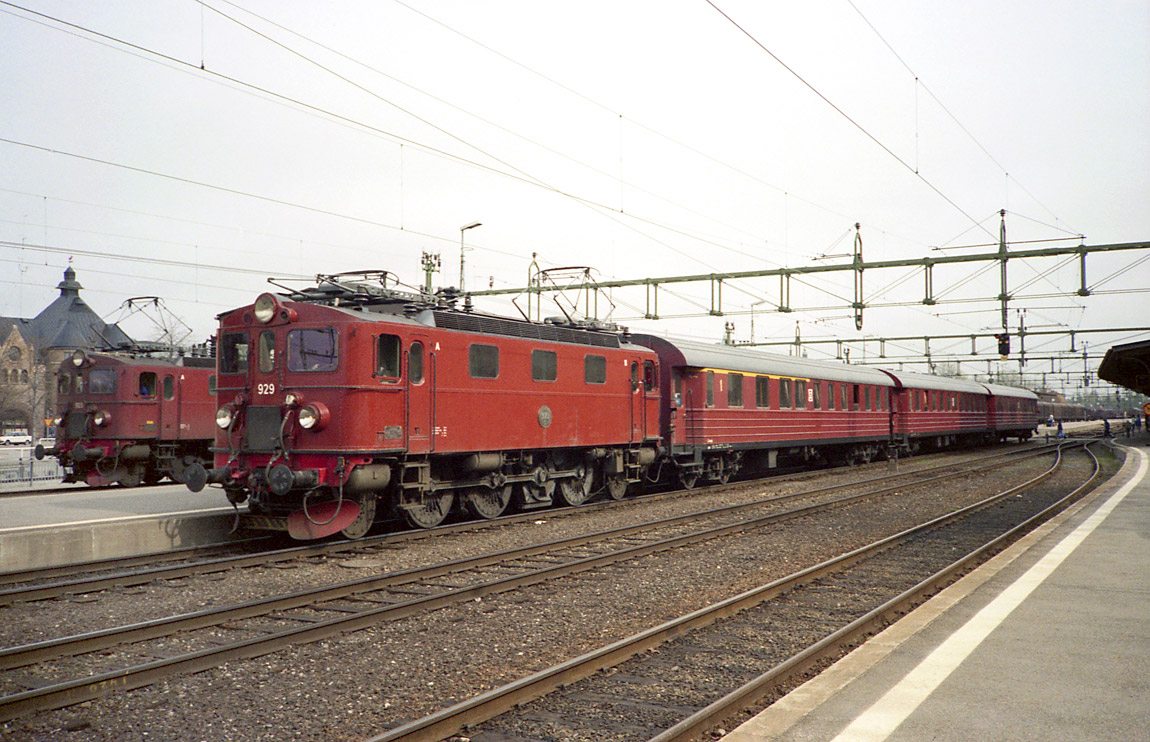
(131, 420)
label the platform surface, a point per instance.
(1050, 640)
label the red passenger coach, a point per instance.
(726, 408)
(1013, 412)
(352, 398)
(128, 420)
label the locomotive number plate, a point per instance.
(265, 388)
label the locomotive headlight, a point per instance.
(314, 416)
(293, 399)
(224, 418)
(101, 418)
(78, 358)
(265, 308)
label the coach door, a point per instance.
(420, 407)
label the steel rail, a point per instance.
(23, 655)
(875, 620)
(67, 693)
(152, 574)
(451, 720)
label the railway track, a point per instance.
(678, 680)
(96, 576)
(78, 668)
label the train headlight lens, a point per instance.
(265, 308)
(78, 358)
(101, 418)
(314, 416)
(223, 418)
(293, 400)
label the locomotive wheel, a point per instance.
(576, 490)
(359, 527)
(131, 479)
(484, 502)
(431, 511)
(617, 486)
(688, 478)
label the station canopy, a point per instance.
(1128, 366)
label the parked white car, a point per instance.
(16, 439)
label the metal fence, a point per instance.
(27, 470)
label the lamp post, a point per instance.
(463, 249)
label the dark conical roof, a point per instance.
(68, 322)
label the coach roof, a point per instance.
(743, 360)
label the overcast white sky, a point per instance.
(638, 138)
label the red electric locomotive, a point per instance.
(131, 420)
(351, 399)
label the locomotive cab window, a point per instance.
(267, 351)
(312, 350)
(595, 369)
(544, 365)
(650, 376)
(734, 390)
(483, 361)
(148, 384)
(234, 353)
(169, 387)
(415, 363)
(634, 376)
(64, 383)
(387, 356)
(103, 381)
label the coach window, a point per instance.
(544, 365)
(830, 396)
(387, 356)
(267, 351)
(234, 353)
(415, 363)
(169, 387)
(762, 392)
(595, 369)
(816, 390)
(147, 384)
(483, 361)
(784, 393)
(734, 390)
(710, 378)
(650, 377)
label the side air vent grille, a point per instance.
(511, 328)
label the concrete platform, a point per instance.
(45, 530)
(1050, 640)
